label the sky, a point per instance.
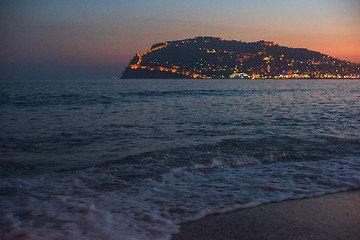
(97, 39)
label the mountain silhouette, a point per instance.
(211, 57)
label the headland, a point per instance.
(211, 57)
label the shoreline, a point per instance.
(331, 216)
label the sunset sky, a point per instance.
(97, 39)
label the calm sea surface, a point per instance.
(131, 159)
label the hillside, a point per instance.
(209, 57)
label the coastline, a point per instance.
(332, 216)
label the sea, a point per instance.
(133, 159)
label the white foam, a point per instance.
(228, 161)
(81, 205)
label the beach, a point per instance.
(134, 159)
(333, 216)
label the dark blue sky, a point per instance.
(94, 39)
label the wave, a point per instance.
(141, 202)
(89, 98)
(134, 159)
(225, 153)
(146, 195)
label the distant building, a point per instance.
(240, 76)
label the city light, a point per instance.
(215, 61)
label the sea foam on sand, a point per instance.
(333, 216)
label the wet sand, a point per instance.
(333, 216)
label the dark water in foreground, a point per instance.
(131, 159)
